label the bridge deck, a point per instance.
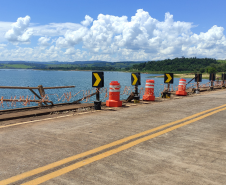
(190, 149)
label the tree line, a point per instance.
(209, 65)
(105, 68)
(180, 65)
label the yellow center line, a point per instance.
(95, 150)
(111, 152)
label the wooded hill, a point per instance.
(202, 65)
(78, 65)
(180, 65)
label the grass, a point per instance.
(15, 66)
(190, 75)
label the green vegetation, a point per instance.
(21, 65)
(221, 61)
(86, 65)
(15, 66)
(177, 65)
(181, 65)
(104, 66)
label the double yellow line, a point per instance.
(137, 138)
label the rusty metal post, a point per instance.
(197, 86)
(211, 83)
(98, 94)
(223, 82)
(42, 93)
(211, 86)
(136, 95)
(97, 103)
(39, 96)
(41, 90)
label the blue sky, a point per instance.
(109, 30)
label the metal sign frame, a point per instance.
(198, 77)
(168, 78)
(223, 77)
(135, 79)
(97, 79)
(212, 77)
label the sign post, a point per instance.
(98, 82)
(198, 78)
(223, 78)
(135, 80)
(212, 79)
(168, 79)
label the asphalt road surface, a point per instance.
(180, 141)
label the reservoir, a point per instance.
(81, 79)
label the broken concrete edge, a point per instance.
(36, 107)
(37, 111)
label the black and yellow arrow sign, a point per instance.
(168, 78)
(97, 79)
(135, 79)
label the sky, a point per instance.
(107, 30)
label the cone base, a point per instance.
(148, 98)
(181, 93)
(113, 103)
(136, 101)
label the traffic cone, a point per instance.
(181, 88)
(149, 91)
(114, 95)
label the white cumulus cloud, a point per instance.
(88, 20)
(44, 41)
(54, 29)
(145, 37)
(20, 31)
(114, 38)
(4, 27)
(71, 38)
(70, 51)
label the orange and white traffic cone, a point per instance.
(181, 88)
(114, 95)
(149, 91)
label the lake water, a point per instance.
(81, 79)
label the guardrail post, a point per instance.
(42, 93)
(97, 103)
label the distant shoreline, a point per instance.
(182, 75)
